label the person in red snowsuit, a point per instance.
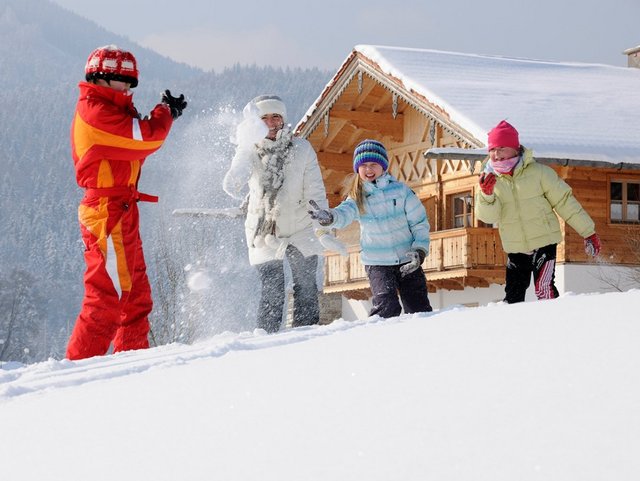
(109, 144)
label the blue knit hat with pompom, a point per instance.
(370, 150)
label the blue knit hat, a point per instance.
(370, 150)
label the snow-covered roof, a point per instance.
(563, 110)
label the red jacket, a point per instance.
(109, 142)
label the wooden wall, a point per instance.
(591, 187)
(365, 108)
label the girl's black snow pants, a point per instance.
(542, 264)
(386, 282)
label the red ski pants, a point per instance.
(117, 299)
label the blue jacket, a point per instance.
(395, 222)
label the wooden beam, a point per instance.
(368, 85)
(346, 286)
(334, 130)
(384, 123)
(414, 147)
(385, 99)
(454, 284)
(364, 117)
(334, 161)
(476, 282)
(360, 295)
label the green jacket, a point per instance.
(525, 205)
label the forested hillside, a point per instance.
(43, 49)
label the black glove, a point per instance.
(176, 104)
(323, 217)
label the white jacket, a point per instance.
(302, 182)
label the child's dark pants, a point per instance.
(386, 282)
(541, 263)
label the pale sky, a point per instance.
(214, 35)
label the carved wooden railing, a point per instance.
(456, 249)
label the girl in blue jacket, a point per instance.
(394, 232)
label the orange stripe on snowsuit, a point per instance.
(96, 221)
(106, 159)
(108, 139)
(85, 137)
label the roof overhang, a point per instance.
(474, 155)
(358, 64)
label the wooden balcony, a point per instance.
(457, 258)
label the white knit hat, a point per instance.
(270, 104)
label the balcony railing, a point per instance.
(472, 255)
(464, 248)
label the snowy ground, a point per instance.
(535, 391)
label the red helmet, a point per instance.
(112, 63)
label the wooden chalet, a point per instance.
(432, 112)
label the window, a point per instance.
(462, 209)
(624, 207)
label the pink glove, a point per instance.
(592, 245)
(487, 183)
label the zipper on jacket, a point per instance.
(517, 202)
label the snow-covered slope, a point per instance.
(542, 390)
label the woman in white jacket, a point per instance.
(282, 175)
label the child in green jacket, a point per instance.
(524, 198)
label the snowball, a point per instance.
(250, 131)
(199, 281)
